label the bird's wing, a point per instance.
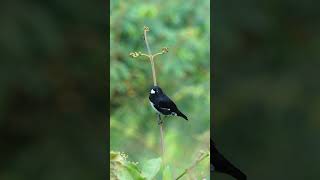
(166, 104)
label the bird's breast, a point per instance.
(152, 105)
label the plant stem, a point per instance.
(161, 134)
(146, 29)
(193, 165)
(153, 71)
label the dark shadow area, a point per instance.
(53, 90)
(266, 87)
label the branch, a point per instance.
(201, 158)
(154, 77)
(149, 55)
(161, 135)
(164, 51)
(145, 30)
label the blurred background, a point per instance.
(183, 74)
(53, 90)
(266, 87)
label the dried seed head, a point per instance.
(146, 28)
(165, 50)
(135, 54)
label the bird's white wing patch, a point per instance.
(152, 91)
(166, 109)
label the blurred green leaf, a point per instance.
(167, 174)
(124, 174)
(134, 172)
(151, 168)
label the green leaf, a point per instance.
(124, 174)
(130, 172)
(134, 172)
(151, 168)
(167, 174)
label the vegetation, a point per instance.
(183, 73)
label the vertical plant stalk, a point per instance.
(151, 57)
(161, 136)
(146, 29)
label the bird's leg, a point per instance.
(164, 118)
(159, 120)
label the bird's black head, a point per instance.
(155, 90)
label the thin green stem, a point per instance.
(161, 134)
(157, 54)
(153, 71)
(146, 29)
(193, 165)
(146, 55)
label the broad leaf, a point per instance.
(134, 172)
(151, 168)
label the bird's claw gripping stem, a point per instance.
(159, 120)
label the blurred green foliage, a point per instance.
(183, 73)
(266, 87)
(121, 168)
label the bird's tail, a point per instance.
(223, 165)
(235, 172)
(182, 115)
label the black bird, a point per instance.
(162, 104)
(222, 165)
